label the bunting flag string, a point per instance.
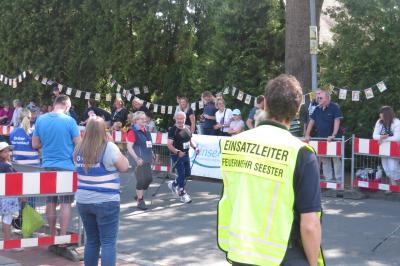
(355, 94)
(13, 82)
(131, 94)
(128, 94)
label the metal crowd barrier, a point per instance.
(162, 158)
(366, 168)
(34, 188)
(328, 152)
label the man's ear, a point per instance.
(265, 106)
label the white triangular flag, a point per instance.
(155, 108)
(381, 86)
(355, 96)
(97, 97)
(201, 105)
(113, 83)
(24, 74)
(148, 105)
(240, 96)
(118, 95)
(19, 78)
(87, 95)
(193, 106)
(10, 82)
(60, 87)
(129, 96)
(233, 91)
(145, 89)
(226, 90)
(108, 97)
(1, 77)
(78, 94)
(170, 110)
(37, 77)
(342, 94)
(163, 109)
(6, 80)
(44, 81)
(136, 90)
(69, 91)
(369, 93)
(247, 100)
(124, 93)
(14, 84)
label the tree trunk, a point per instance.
(297, 44)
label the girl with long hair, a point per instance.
(98, 162)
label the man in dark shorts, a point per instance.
(57, 133)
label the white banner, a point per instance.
(208, 162)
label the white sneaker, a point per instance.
(184, 197)
(173, 189)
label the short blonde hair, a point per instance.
(136, 116)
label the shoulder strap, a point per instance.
(223, 118)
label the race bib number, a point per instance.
(149, 144)
(186, 145)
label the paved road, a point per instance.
(171, 233)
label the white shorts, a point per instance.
(7, 218)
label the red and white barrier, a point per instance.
(161, 168)
(376, 186)
(6, 130)
(39, 241)
(372, 147)
(159, 138)
(325, 148)
(329, 185)
(18, 184)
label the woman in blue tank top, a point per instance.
(98, 162)
(21, 139)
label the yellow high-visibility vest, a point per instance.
(255, 213)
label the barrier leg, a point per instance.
(343, 163)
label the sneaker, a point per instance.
(173, 188)
(184, 197)
(141, 205)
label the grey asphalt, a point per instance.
(172, 233)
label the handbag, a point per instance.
(29, 221)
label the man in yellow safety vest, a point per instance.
(270, 210)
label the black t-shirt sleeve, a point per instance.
(171, 133)
(306, 183)
(189, 112)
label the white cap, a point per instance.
(4, 145)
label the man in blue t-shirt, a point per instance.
(57, 133)
(208, 115)
(326, 118)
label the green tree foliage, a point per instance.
(176, 47)
(366, 50)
